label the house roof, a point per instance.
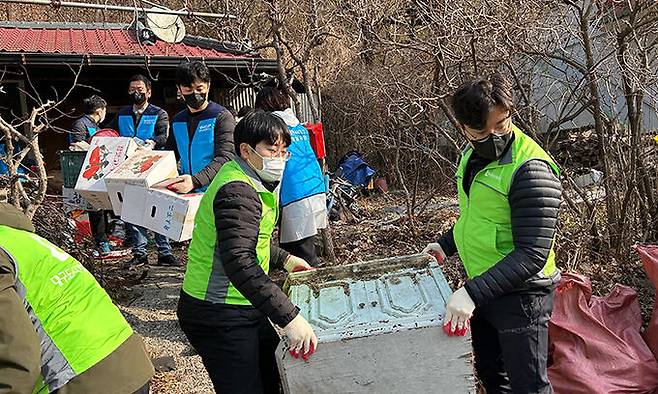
(110, 44)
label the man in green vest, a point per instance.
(509, 198)
(59, 330)
(227, 296)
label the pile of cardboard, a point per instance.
(118, 176)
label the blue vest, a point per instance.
(302, 177)
(146, 126)
(195, 155)
(89, 124)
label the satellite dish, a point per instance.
(168, 28)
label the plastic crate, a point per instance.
(316, 135)
(72, 162)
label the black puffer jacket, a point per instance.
(534, 197)
(237, 210)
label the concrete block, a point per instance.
(379, 329)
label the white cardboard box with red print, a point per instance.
(73, 200)
(104, 155)
(145, 168)
(161, 211)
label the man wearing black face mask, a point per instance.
(142, 119)
(202, 134)
(509, 198)
(150, 124)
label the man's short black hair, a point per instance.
(473, 101)
(260, 126)
(91, 104)
(140, 77)
(188, 72)
(244, 111)
(272, 99)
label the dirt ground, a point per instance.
(381, 230)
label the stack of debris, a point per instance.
(577, 150)
(52, 223)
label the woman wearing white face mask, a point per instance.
(302, 197)
(227, 296)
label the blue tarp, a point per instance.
(3, 166)
(354, 169)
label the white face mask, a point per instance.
(272, 168)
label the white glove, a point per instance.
(435, 250)
(149, 144)
(294, 264)
(79, 146)
(301, 337)
(459, 309)
(146, 145)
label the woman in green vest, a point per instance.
(59, 330)
(509, 198)
(227, 295)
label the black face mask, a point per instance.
(194, 100)
(137, 98)
(493, 146)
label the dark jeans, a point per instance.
(238, 351)
(139, 239)
(98, 223)
(304, 248)
(510, 342)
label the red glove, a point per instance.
(435, 250)
(458, 332)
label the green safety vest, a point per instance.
(205, 278)
(76, 321)
(483, 232)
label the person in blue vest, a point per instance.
(150, 124)
(82, 129)
(95, 109)
(142, 119)
(202, 134)
(303, 199)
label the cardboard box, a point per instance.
(379, 330)
(161, 211)
(145, 168)
(104, 155)
(73, 200)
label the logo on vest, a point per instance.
(148, 120)
(65, 276)
(490, 174)
(205, 127)
(297, 135)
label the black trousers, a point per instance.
(510, 342)
(304, 248)
(98, 223)
(239, 356)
